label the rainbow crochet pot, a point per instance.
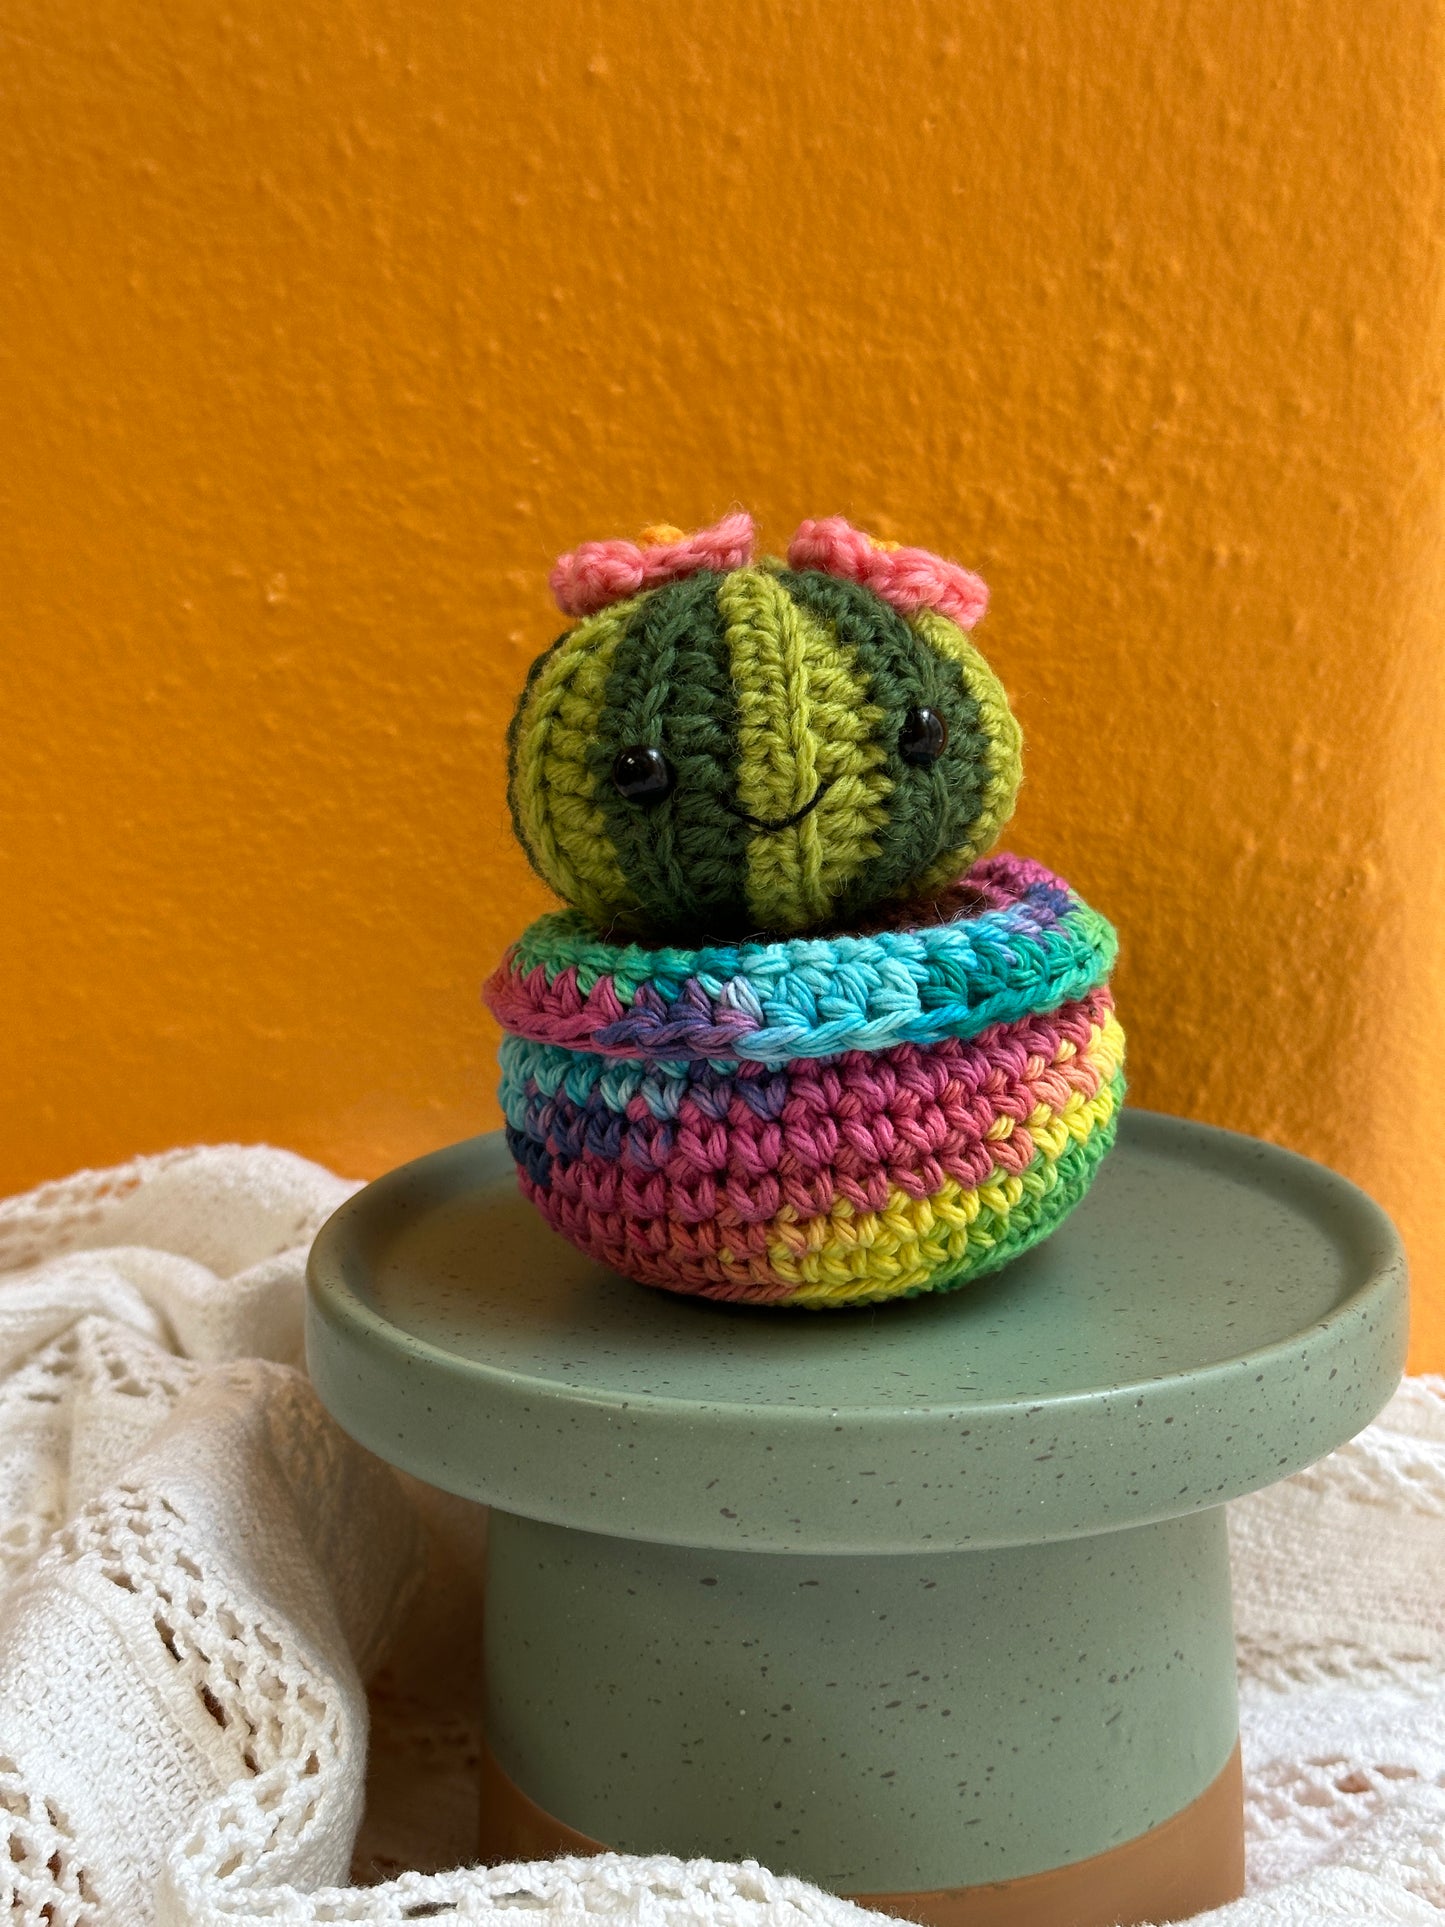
(791, 1058)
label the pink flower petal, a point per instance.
(909, 579)
(596, 574)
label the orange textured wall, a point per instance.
(326, 326)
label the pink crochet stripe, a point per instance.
(555, 1012)
(693, 1205)
(707, 1259)
(596, 574)
(910, 579)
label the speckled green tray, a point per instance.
(1218, 1313)
(722, 1530)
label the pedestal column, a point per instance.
(881, 1725)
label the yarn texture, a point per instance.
(597, 573)
(799, 1040)
(784, 705)
(909, 579)
(817, 1123)
(1019, 940)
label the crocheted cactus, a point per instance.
(793, 1044)
(720, 747)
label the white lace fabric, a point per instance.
(199, 1573)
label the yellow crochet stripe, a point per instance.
(804, 721)
(553, 787)
(848, 1254)
(1005, 747)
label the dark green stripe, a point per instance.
(671, 689)
(929, 810)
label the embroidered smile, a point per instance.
(781, 822)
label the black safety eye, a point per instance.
(643, 776)
(923, 737)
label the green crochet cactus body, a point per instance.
(758, 750)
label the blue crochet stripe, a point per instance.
(809, 997)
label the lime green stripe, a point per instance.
(1003, 756)
(928, 809)
(553, 787)
(804, 724)
(776, 772)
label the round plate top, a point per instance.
(1216, 1314)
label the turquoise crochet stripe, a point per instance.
(1039, 946)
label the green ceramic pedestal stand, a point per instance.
(928, 1601)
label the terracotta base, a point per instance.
(1189, 1863)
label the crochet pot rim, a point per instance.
(1019, 940)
